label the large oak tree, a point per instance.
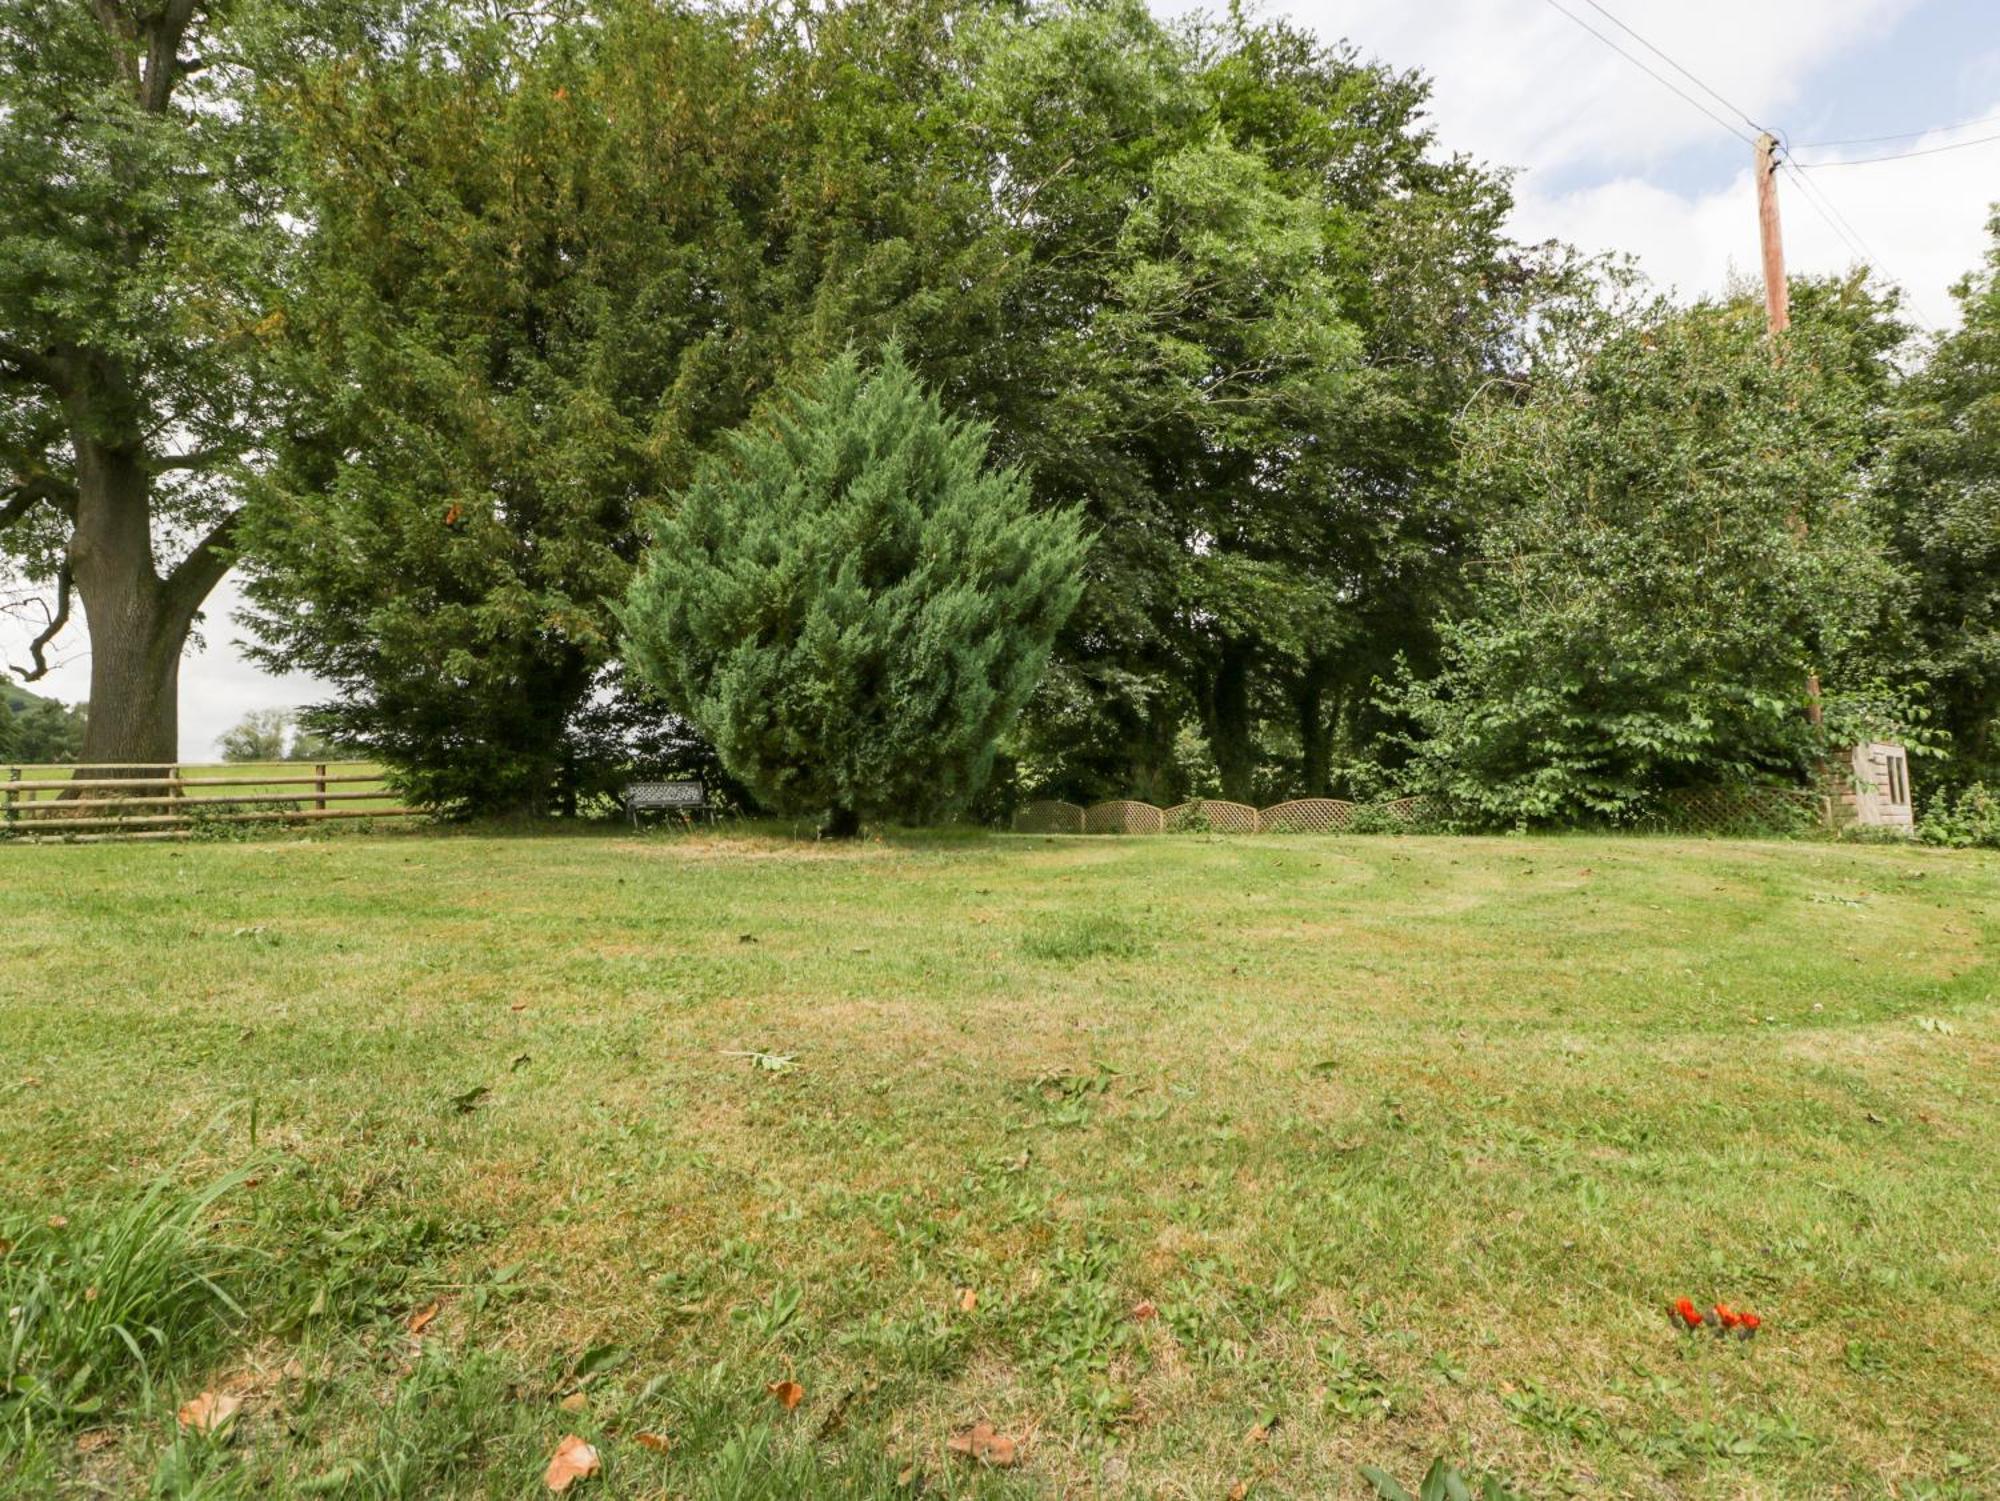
(140, 246)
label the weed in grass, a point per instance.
(1442, 1482)
(1072, 937)
(104, 1300)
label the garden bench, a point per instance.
(689, 799)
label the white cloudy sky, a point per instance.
(1608, 159)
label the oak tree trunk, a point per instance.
(138, 622)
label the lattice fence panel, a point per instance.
(1727, 810)
(1414, 813)
(1124, 817)
(1213, 815)
(1049, 817)
(1308, 815)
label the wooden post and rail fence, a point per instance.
(173, 801)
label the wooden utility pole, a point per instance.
(1778, 309)
(1777, 299)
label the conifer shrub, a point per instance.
(851, 603)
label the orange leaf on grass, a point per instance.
(573, 1460)
(789, 1393)
(659, 1443)
(968, 1299)
(1145, 1310)
(421, 1319)
(211, 1412)
(980, 1442)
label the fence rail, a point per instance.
(177, 800)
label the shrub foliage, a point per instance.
(851, 604)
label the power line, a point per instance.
(1657, 77)
(1901, 135)
(1897, 156)
(1831, 215)
(1819, 202)
(1735, 109)
(1815, 196)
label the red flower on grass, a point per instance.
(1722, 1318)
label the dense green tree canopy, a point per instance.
(1944, 479)
(1680, 536)
(553, 264)
(40, 731)
(143, 249)
(1214, 283)
(850, 605)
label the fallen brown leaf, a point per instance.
(97, 1438)
(518, 1006)
(58, 1221)
(421, 1319)
(574, 1402)
(1144, 1310)
(788, 1393)
(980, 1442)
(968, 1299)
(659, 1443)
(573, 1460)
(209, 1413)
(1239, 1490)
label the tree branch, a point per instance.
(202, 569)
(201, 458)
(30, 363)
(30, 493)
(163, 48)
(57, 621)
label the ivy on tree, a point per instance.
(851, 604)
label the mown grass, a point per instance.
(1407, 1142)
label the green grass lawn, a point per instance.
(1405, 1146)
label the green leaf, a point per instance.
(1385, 1484)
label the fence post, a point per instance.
(13, 775)
(319, 785)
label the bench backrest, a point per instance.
(665, 795)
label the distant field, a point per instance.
(1197, 1166)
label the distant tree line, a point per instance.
(438, 318)
(36, 731)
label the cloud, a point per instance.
(1921, 222)
(1612, 161)
(1519, 84)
